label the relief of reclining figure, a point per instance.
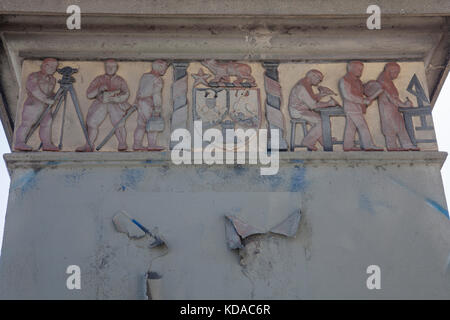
(224, 70)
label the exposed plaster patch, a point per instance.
(144, 239)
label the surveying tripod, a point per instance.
(65, 86)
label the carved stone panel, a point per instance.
(353, 106)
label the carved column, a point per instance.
(179, 97)
(273, 102)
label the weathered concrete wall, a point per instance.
(358, 209)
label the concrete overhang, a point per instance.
(309, 31)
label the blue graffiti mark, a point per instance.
(240, 169)
(200, 170)
(130, 178)
(297, 161)
(52, 163)
(298, 180)
(365, 203)
(430, 202)
(438, 207)
(223, 173)
(26, 182)
(75, 177)
(274, 181)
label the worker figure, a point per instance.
(355, 105)
(110, 93)
(40, 94)
(149, 105)
(303, 102)
(392, 122)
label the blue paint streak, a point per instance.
(432, 203)
(140, 226)
(298, 180)
(365, 203)
(275, 181)
(25, 182)
(438, 207)
(74, 178)
(130, 178)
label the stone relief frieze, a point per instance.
(352, 106)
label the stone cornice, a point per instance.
(228, 7)
(38, 160)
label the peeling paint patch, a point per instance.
(237, 230)
(130, 178)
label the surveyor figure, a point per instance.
(149, 105)
(40, 87)
(110, 93)
(355, 104)
(392, 122)
(303, 102)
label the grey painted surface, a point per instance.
(229, 7)
(358, 209)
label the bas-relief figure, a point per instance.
(224, 70)
(392, 122)
(149, 104)
(303, 102)
(110, 93)
(40, 94)
(355, 104)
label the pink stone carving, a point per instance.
(110, 94)
(392, 122)
(355, 104)
(40, 94)
(223, 71)
(303, 102)
(149, 103)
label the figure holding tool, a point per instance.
(36, 109)
(110, 93)
(40, 89)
